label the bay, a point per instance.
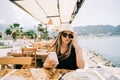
(108, 47)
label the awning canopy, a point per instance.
(55, 12)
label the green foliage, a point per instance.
(2, 44)
(0, 35)
(30, 33)
(8, 31)
(15, 30)
(43, 32)
(14, 26)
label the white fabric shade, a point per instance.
(59, 11)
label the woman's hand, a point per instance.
(49, 63)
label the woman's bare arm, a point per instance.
(78, 50)
(79, 57)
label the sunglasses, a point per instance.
(65, 35)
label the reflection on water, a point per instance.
(109, 47)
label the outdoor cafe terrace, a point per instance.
(97, 68)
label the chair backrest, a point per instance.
(24, 61)
(36, 45)
(31, 52)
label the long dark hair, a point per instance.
(57, 47)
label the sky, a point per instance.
(10, 13)
(92, 12)
(97, 12)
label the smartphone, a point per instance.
(53, 56)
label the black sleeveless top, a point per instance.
(68, 63)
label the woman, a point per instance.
(67, 49)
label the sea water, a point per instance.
(108, 47)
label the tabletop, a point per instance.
(32, 74)
(61, 74)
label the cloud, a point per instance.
(2, 21)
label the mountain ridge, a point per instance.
(97, 29)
